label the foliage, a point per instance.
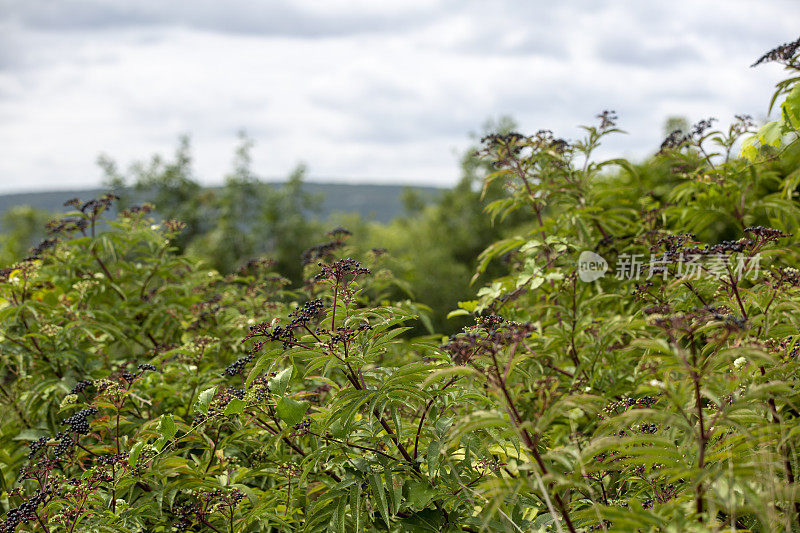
(157, 395)
(228, 226)
(23, 227)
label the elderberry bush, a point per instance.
(654, 386)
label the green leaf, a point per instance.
(235, 407)
(280, 381)
(770, 134)
(355, 505)
(457, 312)
(419, 494)
(341, 512)
(337, 429)
(204, 400)
(166, 427)
(133, 457)
(432, 456)
(376, 484)
(291, 411)
(791, 107)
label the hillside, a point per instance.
(376, 202)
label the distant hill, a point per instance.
(375, 202)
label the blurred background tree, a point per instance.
(23, 228)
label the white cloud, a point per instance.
(360, 91)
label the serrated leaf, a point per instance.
(419, 494)
(355, 505)
(341, 513)
(376, 484)
(235, 407)
(280, 381)
(133, 456)
(204, 400)
(432, 456)
(291, 411)
(166, 427)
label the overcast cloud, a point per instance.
(378, 91)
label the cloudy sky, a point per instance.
(361, 91)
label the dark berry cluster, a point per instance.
(724, 247)
(146, 366)
(66, 225)
(339, 233)
(305, 313)
(174, 226)
(302, 427)
(188, 514)
(494, 140)
(205, 311)
(113, 459)
(273, 333)
(37, 445)
(742, 124)
(657, 309)
(701, 126)
(325, 251)
(642, 290)
(26, 510)
(259, 389)
(321, 251)
(137, 210)
(222, 498)
(663, 494)
(490, 322)
(6, 272)
(674, 140)
(608, 119)
(89, 212)
(787, 348)
(491, 335)
(285, 334)
(462, 348)
(65, 443)
(341, 270)
(39, 471)
(40, 248)
(254, 266)
(237, 367)
(638, 429)
(620, 406)
(489, 463)
(672, 245)
(221, 400)
(785, 276)
(93, 207)
(764, 234)
(78, 422)
(784, 53)
(81, 386)
(343, 335)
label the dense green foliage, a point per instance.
(156, 394)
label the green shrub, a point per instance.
(662, 395)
